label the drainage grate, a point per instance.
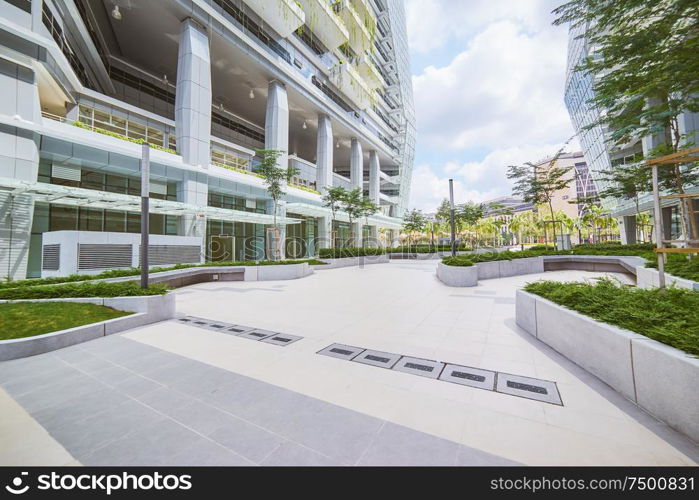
(242, 331)
(505, 383)
(341, 351)
(378, 358)
(421, 367)
(281, 339)
(472, 377)
(530, 388)
(257, 334)
(527, 387)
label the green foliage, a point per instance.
(27, 319)
(84, 289)
(123, 137)
(352, 204)
(459, 261)
(338, 253)
(414, 221)
(470, 212)
(423, 248)
(668, 316)
(333, 197)
(273, 175)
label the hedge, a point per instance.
(85, 289)
(337, 253)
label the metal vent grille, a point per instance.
(104, 256)
(171, 254)
(67, 172)
(51, 257)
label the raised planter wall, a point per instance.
(147, 309)
(647, 277)
(457, 275)
(353, 261)
(660, 379)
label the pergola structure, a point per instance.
(685, 156)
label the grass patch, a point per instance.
(668, 316)
(27, 319)
(85, 289)
(337, 253)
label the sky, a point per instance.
(488, 78)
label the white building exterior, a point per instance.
(207, 83)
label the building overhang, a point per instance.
(318, 211)
(80, 197)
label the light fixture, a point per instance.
(116, 14)
(304, 126)
(337, 145)
(251, 95)
(220, 106)
(165, 79)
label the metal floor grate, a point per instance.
(246, 332)
(544, 391)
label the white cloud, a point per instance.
(473, 181)
(505, 89)
(432, 23)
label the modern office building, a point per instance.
(581, 185)
(206, 83)
(601, 155)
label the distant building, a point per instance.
(580, 187)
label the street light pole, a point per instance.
(145, 192)
(451, 217)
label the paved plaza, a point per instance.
(180, 393)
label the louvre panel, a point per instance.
(172, 254)
(104, 256)
(67, 172)
(51, 257)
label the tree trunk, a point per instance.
(553, 225)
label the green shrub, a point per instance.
(668, 316)
(337, 253)
(422, 248)
(84, 289)
(459, 261)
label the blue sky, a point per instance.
(488, 80)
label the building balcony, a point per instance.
(348, 80)
(324, 23)
(360, 38)
(366, 13)
(284, 16)
(369, 72)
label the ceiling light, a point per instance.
(304, 126)
(220, 106)
(165, 79)
(115, 13)
(337, 145)
(251, 95)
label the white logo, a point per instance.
(16, 488)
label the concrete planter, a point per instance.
(457, 275)
(147, 309)
(647, 277)
(658, 378)
(353, 261)
(193, 275)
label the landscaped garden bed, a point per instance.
(27, 319)
(642, 342)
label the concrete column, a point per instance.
(374, 190)
(193, 95)
(356, 181)
(281, 212)
(628, 229)
(324, 154)
(19, 159)
(36, 7)
(324, 236)
(193, 190)
(277, 122)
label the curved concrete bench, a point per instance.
(531, 265)
(193, 275)
(352, 261)
(147, 309)
(660, 379)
